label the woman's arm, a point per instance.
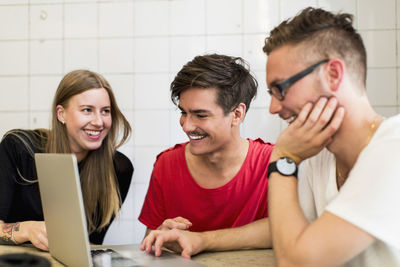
(21, 232)
(7, 233)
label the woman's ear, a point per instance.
(60, 114)
(238, 114)
(334, 73)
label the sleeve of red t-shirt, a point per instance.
(153, 210)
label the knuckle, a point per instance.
(332, 129)
(323, 120)
(312, 119)
(300, 119)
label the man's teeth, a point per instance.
(291, 119)
(92, 133)
(196, 137)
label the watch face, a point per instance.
(286, 166)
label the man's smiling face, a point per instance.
(204, 121)
(282, 63)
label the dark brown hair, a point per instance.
(322, 34)
(230, 76)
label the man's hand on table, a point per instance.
(174, 235)
(181, 241)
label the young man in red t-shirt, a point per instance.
(210, 193)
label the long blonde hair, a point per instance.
(98, 178)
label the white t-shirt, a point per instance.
(370, 198)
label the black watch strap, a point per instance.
(287, 167)
(271, 168)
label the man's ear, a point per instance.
(238, 114)
(334, 73)
(60, 114)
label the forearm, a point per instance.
(21, 232)
(253, 235)
(287, 218)
(328, 241)
(7, 233)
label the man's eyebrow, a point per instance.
(275, 82)
(195, 111)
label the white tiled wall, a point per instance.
(138, 45)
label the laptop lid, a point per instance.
(63, 210)
(62, 203)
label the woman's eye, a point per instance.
(86, 110)
(107, 111)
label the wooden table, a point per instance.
(247, 258)
(239, 258)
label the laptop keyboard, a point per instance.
(108, 257)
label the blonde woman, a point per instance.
(87, 122)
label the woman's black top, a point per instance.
(20, 200)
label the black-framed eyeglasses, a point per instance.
(278, 89)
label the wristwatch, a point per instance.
(285, 166)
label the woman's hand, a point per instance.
(33, 231)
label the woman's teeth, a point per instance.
(92, 133)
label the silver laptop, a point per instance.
(63, 209)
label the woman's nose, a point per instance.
(97, 120)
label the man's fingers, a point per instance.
(163, 237)
(326, 115)
(318, 120)
(171, 224)
(303, 115)
(175, 239)
(158, 238)
(147, 243)
(316, 117)
(183, 220)
(185, 254)
(316, 112)
(173, 235)
(334, 124)
(174, 246)
(178, 223)
(312, 130)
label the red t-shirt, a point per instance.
(173, 192)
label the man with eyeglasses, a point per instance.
(343, 208)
